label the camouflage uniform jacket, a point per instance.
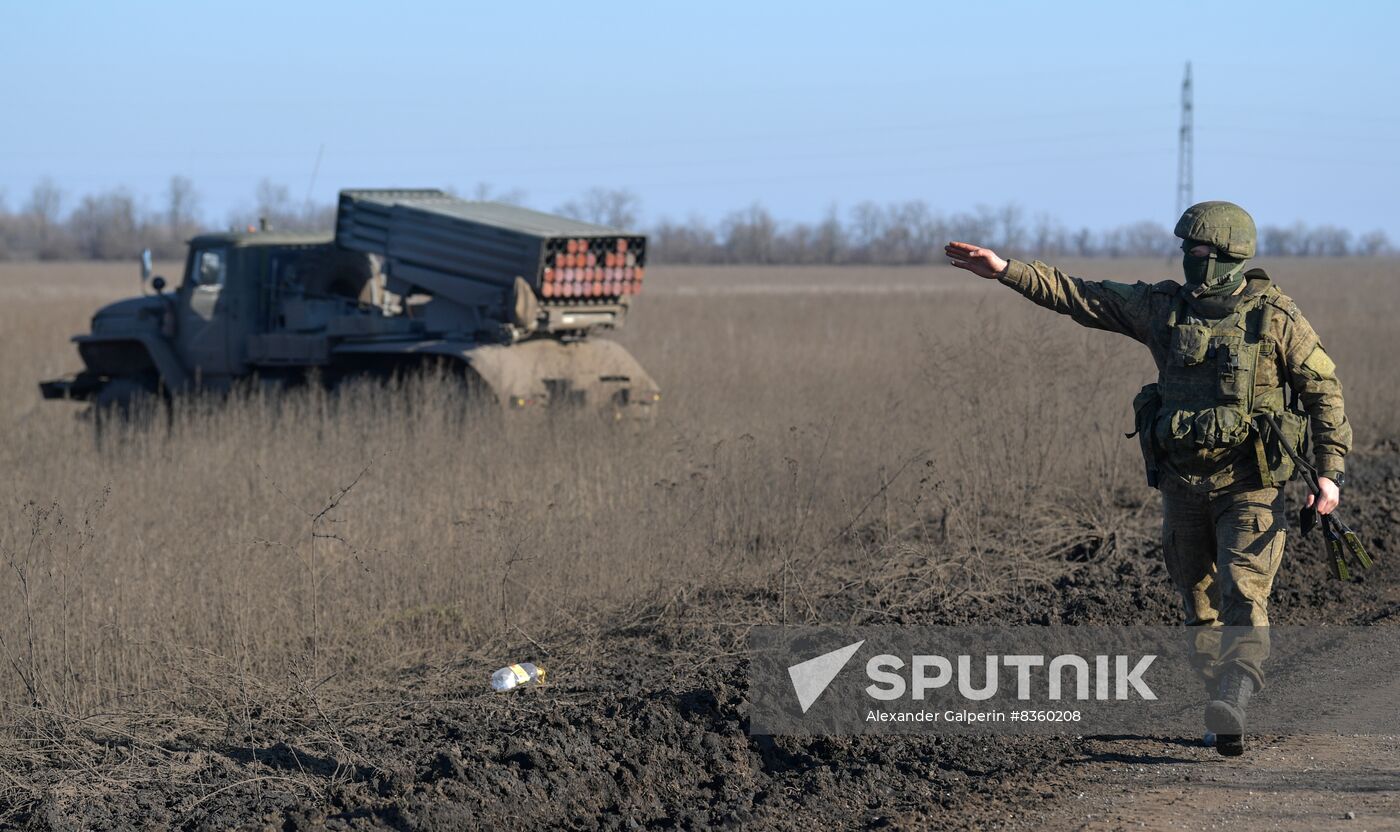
(1142, 311)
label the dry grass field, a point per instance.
(932, 435)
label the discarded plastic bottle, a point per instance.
(516, 676)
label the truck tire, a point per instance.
(124, 400)
(122, 394)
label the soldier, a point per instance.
(1226, 345)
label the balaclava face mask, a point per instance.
(1210, 276)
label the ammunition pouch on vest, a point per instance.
(1278, 465)
(1205, 407)
(1146, 405)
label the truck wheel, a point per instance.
(122, 399)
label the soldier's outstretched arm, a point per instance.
(1115, 307)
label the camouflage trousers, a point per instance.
(1222, 552)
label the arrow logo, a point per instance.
(811, 677)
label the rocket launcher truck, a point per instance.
(509, 300)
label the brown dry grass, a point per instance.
(970, 438)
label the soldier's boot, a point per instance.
(1211, 684)
(1225, 714)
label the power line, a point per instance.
(1185, 162)
(315, 169)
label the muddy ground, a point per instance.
(644, 726)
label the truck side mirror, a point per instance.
(158, 284)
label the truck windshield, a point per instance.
(209, 267)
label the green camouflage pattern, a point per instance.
(1209, 402)
(1223, 528)
(1224, 225)
(1222, 552)
(1289, 353)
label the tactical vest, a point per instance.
(1206, 419)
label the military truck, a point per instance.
(508, 299)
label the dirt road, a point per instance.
(1300, 782)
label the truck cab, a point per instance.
(210, 306)
(256, 301)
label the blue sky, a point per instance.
(1065, 108)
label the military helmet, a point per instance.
(1224, 225)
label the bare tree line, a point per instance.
(113, 224)
(911, 232)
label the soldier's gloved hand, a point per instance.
(982, 262)
(1331, 496)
